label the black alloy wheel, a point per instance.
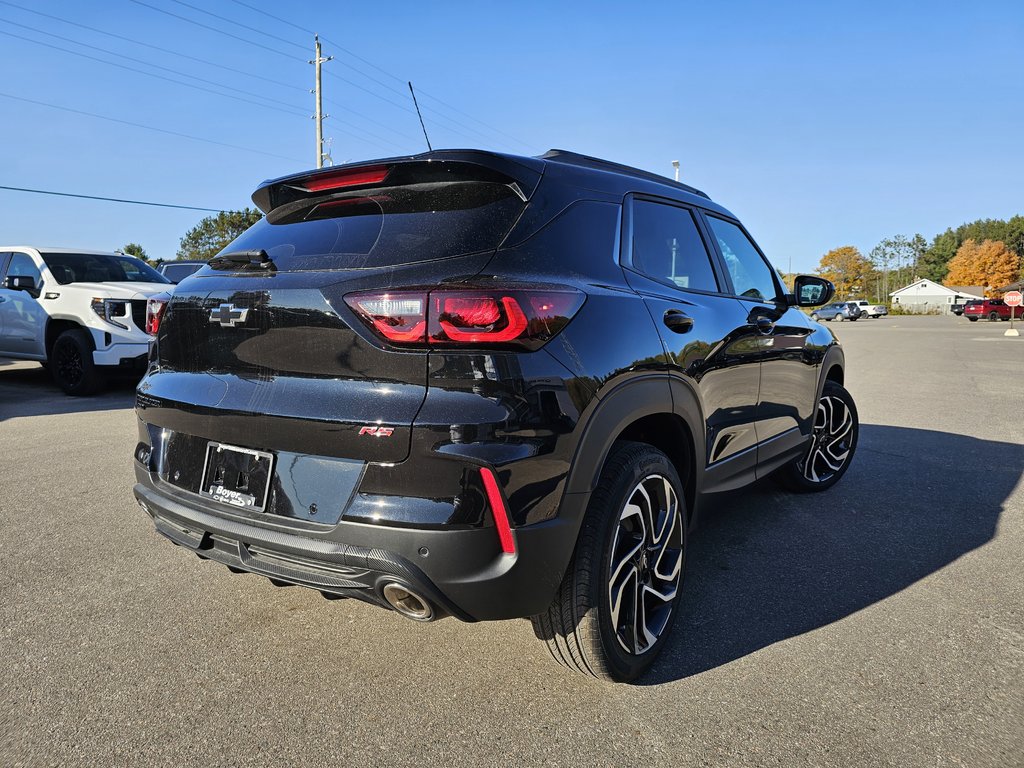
(71, 363)
(619, 596)
(832, 445)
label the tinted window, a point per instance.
(22, 265)
(396, 225)
(667, 246)
(100, 268)
(178, 272)
(751, 276)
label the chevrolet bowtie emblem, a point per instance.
(228, 315)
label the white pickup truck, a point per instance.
(870, 310)
(80, 313)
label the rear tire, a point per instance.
(993, 316)
(833, 443)
(71, 363)
(618, 599)
(973, 319)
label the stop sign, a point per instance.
(1013, 299)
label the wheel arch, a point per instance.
(55, 326)
(656, 410)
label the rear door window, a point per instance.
(668, 247)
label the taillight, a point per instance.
(342, 179)
(398, 317)
(471, 316)
(155, 307)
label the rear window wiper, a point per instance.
(258, 258)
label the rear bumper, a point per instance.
(461, 572)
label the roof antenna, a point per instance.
(416, 104)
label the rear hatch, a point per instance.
(259, 348)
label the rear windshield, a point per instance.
(92, 268)
(386, 226)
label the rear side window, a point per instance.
(751, 276)
(387, 226)
(667, 247)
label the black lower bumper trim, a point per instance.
(333, 568)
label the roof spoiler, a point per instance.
(521, 173)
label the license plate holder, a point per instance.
(238, 477)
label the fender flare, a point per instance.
(834, 356)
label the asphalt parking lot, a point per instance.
(880, 623)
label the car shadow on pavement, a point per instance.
(766, 565)
(27, 389)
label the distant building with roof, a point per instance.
(928, 296)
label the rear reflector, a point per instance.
(497, 504)
(344, 179)
(468, 316)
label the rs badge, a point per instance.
(377, 431)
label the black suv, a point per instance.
(485, 386)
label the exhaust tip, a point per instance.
(407, 603)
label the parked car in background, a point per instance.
(870, 310)
(413, 384)
(839, 310)
(992, 309)
(958, 309)
(176, 271)
(80, 313)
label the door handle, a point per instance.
(678, 321)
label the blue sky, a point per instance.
(819, 124)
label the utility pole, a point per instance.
(319, 116)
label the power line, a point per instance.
(295, 109)
(112, 199)
(155, 47)
(381, 70)
(214, 29)
(239, 24)
(147, 127)
(152, 74)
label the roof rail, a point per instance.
(586, 161)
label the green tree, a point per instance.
(935, 260)
(207, 238)
(846, 268)
(136, 250)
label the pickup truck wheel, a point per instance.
(618, 599)
(832, 445)
(72, 365)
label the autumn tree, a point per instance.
(989, 263)
(207, 238)
(846, 268)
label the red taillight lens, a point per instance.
(475, 319)
(458, 318)
(155, 307)
(342, 179)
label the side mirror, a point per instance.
(811, 291)
(20, 283)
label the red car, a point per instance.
(993, 309)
